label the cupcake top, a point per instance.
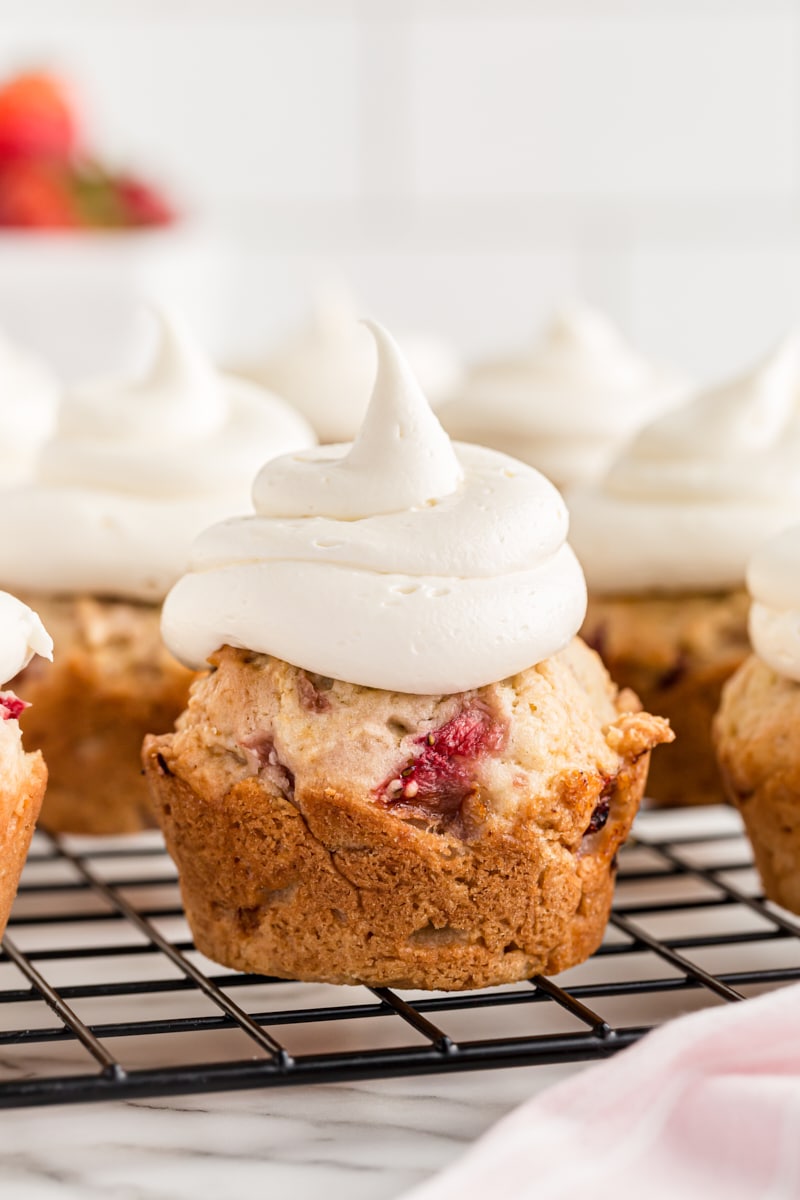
(29, 394)
(136, 469)
(773, 579)
(399, 562)
(699, 489)
(566, 406)
(22, 635)
(327, 369)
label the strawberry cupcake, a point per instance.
(568, 405)
(23, 777)
(403, 768)
(755, 730)
(665, 539)
(133, 472)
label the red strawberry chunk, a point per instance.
(11, 706)
(265, 757)
(437, 781)
(602, 809)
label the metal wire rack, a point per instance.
(102, 994)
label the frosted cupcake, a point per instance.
(756, 727)
(29, 394)
(23, 777)
(567, 406)
(665, 540)
(404, 768)
(326, 369)
(133, 472)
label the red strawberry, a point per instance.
(36, 195)
(438, 779)
(141, 203)
(36, 119)
(11, 706)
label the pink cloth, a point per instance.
(705, 1108)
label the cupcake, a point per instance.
(755, 730)
(665, 539)
(133, 472)
(23, 777)
(568, 405)
(29, 395)
(327, 368)
(403, 768)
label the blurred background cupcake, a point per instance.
(755, 729)
(326, 367)
(134, 470)
(568, 405)
(665, 538)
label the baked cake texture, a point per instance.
(759, 756)
(111, 683)
(23, 778)
(675, 652)
(329, 831)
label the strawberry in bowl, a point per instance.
(49, 179)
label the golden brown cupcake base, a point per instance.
(294, 860)
(675, 652)
(756, 733)
(23, 779)
(111, 682)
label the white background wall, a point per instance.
(466, 165)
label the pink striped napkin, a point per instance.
(705, 1108)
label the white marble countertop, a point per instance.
(366, 1141)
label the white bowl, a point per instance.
(75, 299)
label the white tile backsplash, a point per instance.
(482, 301)
(604, 106)
(715, 308)
(466, 165)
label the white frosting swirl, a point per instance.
(569, 405)
(22, 635)
(327, 369)
(136, 470)
(699, 489)
(29, 395)
(401, 562)
(773, 578)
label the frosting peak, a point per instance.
(401, 562)
(401, 458)
(22, 635)
(698, 489)
(327, 367)
(568, 404)
(581, 341)
(181, 389)
(741, 417)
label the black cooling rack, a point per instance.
(102, 994)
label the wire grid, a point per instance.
(102, 994)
